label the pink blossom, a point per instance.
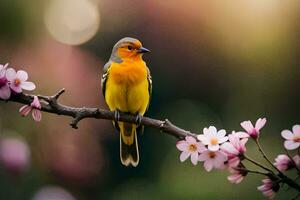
(283, 162)
(213, 159)
(18, 80)
(190, 148)
(4, 89)
(4, 86)
(14, 154)
(269, 188)
(35, 107)
(237, 175)
(233, 162)
(213, 138)
(3, 70)
(235, 146)
(240, 134)
(251, 130)
(292, 138)
(296, 159)
(234, 149)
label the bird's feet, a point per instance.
(117, 115)
(138, 119)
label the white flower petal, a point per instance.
(15, 88)
(208, 165)
(190, 139)
(233, 162)
(218, 163)
(28, 85)
(200, 147)
(5, 92)
(2, 72)
(203, 156)
(224, 139)
(10, 74)
(36, 115)
(182, 145)
(235, 178)
(287, 134)
(243, 142)
(296, 129)
(221, 156)
(229, 148)
(239, 180)
(241, 134)
(260, 123)
(247, 125)
(291, 145)
(201, 137)
(234, 140)
(213, 147)
(22, 75)
(212, 130)
(261, 188)
(206, 132)
(296, 159)
(184, 155)
(36, 103)
(232, 178)
(25, 110)
(221, 133)
(204, 139)
(194, 158)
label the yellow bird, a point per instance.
(127, 86)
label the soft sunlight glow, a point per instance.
(72, 21)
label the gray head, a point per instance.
(127, 48)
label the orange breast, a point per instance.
(128, 72)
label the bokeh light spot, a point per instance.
(51, 193)
(72, 22)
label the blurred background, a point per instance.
(212, 62)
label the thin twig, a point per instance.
(252, 171)
(258, 164)
(265, 156)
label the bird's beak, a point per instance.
(143, 50)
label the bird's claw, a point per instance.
(138, 119)
(117, 115)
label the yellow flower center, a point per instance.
(17, 82)
(212, 154)
(192, 147)
(214, 141)
(296, 139)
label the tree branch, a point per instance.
(50, 104)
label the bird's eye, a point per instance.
(130, 47)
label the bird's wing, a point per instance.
(105, 76)
(149, 78)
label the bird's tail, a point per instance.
(129, 152)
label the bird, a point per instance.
(127, 88)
